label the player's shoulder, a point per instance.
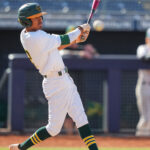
(32, 33)
(42, 34)
(39, 33)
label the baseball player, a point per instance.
(43, 50)
(143, 89)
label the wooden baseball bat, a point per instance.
(93, 8)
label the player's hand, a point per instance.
(84, 27)
(85, 30)
(83, 37)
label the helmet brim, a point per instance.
(37, 15)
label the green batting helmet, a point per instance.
(28, 11)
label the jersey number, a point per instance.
(29, 56)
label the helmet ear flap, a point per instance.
(25, 22)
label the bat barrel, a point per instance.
(94, 7)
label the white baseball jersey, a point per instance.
(143, 94)
(60, 90)
(41, 48)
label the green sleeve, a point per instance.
(64, 39)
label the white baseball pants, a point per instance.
(143, 103)
(63, 98)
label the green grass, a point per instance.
(83, 149)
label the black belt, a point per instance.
(145, 82)
(59, 73)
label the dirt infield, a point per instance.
(75, 141)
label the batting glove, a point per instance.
(84, 27)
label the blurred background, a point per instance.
(108, 95)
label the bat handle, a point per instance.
(90, 17)
(89, 20)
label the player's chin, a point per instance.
(40, 26)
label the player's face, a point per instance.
(37, 23)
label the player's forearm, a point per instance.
(64, 46)
(68, 38)
(74, 35)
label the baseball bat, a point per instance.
(93, 8)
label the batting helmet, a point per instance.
(28, 11)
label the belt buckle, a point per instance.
(45, 76)
(60, 73)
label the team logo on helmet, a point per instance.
(38, 8)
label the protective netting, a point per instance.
(3, 107)
(35, 102)
(4, 99)
(129, 112)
